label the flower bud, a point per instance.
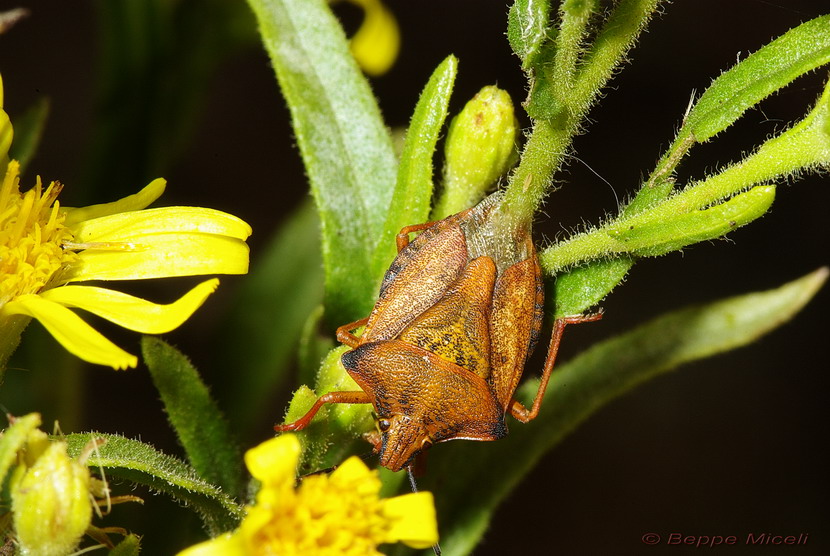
(480, 147)
(51, 507)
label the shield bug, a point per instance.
(458, 314)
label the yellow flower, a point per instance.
(336, 515)
(375, 45)
(46, 249)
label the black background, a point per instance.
(728, 446)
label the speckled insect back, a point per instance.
(458, 314)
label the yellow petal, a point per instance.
(162, 255)
(411, 519)
(6, 134)
(375, 45)
(137, 201)
(274, 462)
(229, 544)
(353, 472)
(71, 331)
(130, 225)
(133, 312)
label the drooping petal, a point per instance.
(71, 331)
(133, 312)
(163, 255)
(126, 227)
(274, 462)
(134, 202)
(376, 43)
(229, 544)
(411, 519)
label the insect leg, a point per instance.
(402, 239)
(519, 411)
(331, 397)
(344, 333)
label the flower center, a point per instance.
(31, 235)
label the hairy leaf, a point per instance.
(346, 148)
(142, 464)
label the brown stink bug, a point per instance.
(458, 314)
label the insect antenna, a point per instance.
(414, 486)
(365, 457)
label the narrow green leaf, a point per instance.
(663, 235)
(581, 387)
(527, 28)
(344, 143)
(579, 289)
(413, 188)
(28, 129)
(793, 54)
(199, 425)
(268, 314)
(140, 463)
(13, 439)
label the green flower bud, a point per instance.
(480, 147)
(51, 506)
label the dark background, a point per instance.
(728, 446)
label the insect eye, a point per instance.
(384, 425)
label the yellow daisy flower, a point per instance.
(47, 249)
(327, 515)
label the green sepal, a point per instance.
(13, 439)
(129, 546)
(199, 424)
(140, 463)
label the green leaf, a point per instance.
(344, 143)
(271, 307)
(580, 288)
(585, 384)
(13, 439)
(28, 129)
(199, 425)
(661, 236)
(413, 188)
(527, 27)
(140, 463)
(793, 54)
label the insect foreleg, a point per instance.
(331, 397)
